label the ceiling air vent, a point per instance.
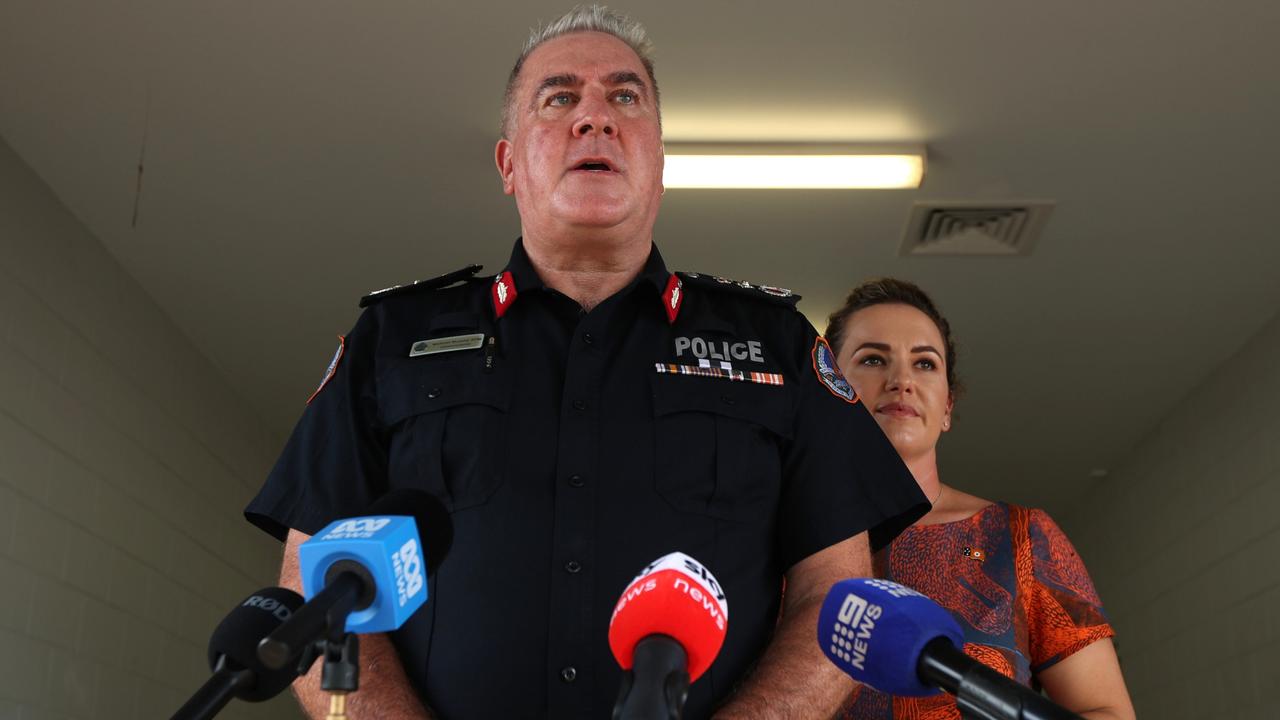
(974, 228)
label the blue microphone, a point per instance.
(364, 574)
(900, 642)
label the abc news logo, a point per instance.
(357, 529)
(407, 564)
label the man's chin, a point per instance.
(594, 215)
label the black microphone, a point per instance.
(233, 656)
(900, 642)
(364, 574)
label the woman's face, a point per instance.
(893, 355)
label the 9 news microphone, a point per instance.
(666, 629)
(237, 671)
(900, 642)
(365, 574)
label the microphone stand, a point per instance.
(982, 693)
(318, 630)
(214, 695)
(657, 685)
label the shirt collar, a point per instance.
(519, 277)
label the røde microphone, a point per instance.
(666, 630)
(364, 574)
(900, 642)
(237, 672)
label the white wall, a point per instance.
(125, 460)
(1183, 541)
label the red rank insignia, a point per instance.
(672, 297)
(504, 293)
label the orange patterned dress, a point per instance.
(1015, 584)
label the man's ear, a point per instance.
(502, 155)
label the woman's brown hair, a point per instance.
(881, 291)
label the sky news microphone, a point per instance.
(900, 642)
(233, 657)
(666, 630)
(364, 574)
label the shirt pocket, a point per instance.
(448, 422)
(718, 446)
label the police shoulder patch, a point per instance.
(333, 368)
(828, 372)
(763, 292)
(421, 285)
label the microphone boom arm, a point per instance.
(981, 692)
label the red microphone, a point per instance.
(666, 630)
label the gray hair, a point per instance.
(584, 18)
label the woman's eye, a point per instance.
(873, 360)
(926, 364)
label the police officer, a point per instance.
(583, 412)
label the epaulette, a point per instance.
(419, 285)
(764, 292)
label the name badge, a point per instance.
(447, 344)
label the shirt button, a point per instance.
(573, 567)
(434, 393)
(579, 404)
(569, 674)
(588, 338)
(576, 481)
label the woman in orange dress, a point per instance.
(1007, 573)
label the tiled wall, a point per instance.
(125, 460)
(1183, 541)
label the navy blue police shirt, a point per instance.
(572, 448)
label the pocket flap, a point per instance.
(412, 386)
(766, 405)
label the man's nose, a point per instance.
(595, 119)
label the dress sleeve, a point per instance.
(841, 475)
(1064, 611)
(335, 462)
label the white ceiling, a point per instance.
(299, 154)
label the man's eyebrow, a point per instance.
(554, 81)
(625, 77)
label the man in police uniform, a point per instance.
(583, 412)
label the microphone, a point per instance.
(237, 672)
(900, 642)
(365, 574)
(666, 630)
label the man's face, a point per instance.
(585, 152)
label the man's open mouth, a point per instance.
(594, 166)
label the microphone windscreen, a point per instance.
(435, 527)
(875, 631)
(236, 638)
(385, 548)
(677, 597)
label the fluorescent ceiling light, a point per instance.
(792, 166)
